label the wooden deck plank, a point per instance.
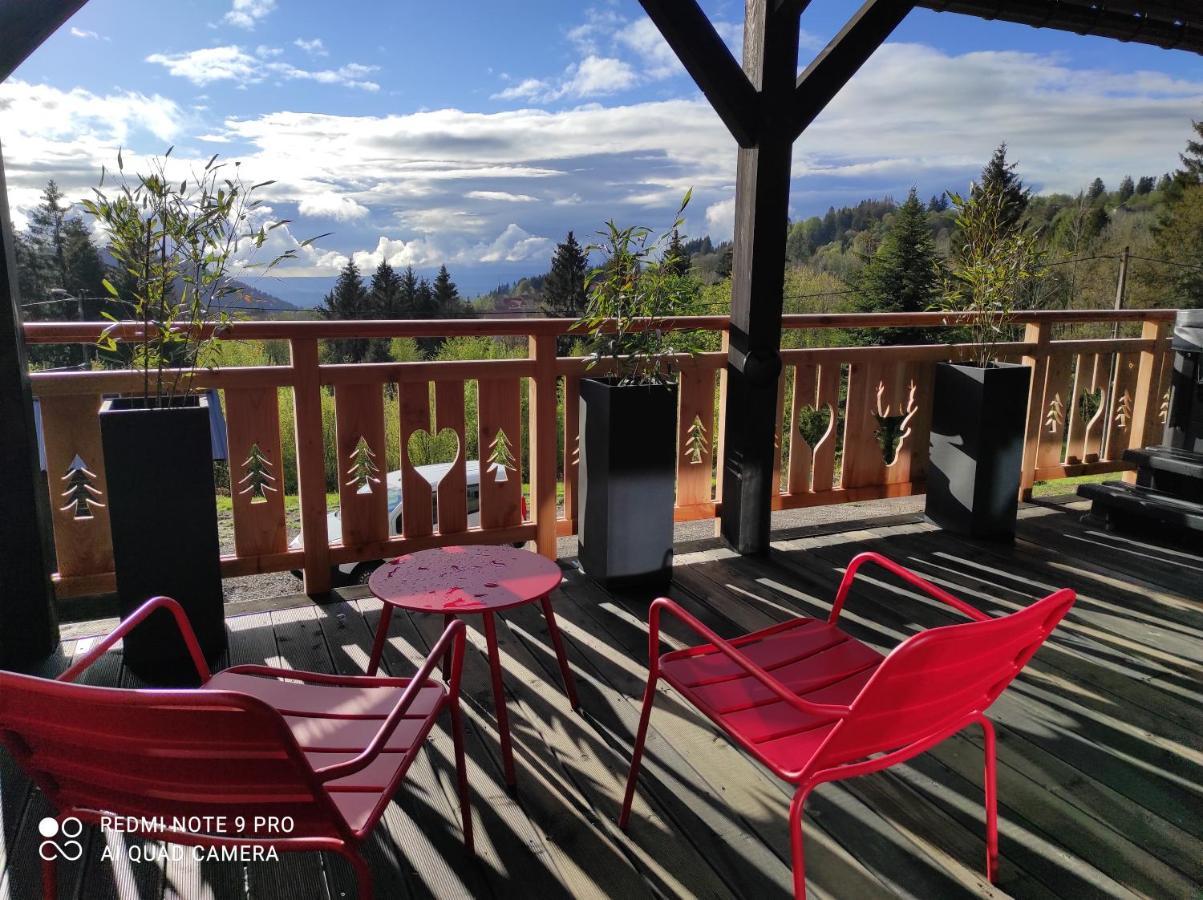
(588, 755)
(690, 776)
(1095, 753)
(588, 861)
(1100, 741)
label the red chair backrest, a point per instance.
(939, 678)
(161, 753)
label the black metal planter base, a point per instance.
(163, 513)
(977, 431)
(628, 446)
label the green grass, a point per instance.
(1068, 485)
(225, 503)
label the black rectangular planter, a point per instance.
(163, 512)
(628, 455)
(977, 430)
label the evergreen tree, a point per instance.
(1000, 174)
(676, 260)
(1192, 159)
(448, 304)
(385, 293)
(46, 223)
(1126, 189)
(1164, 182)
(85, 272)
(726, 260)
(1179, 238)
(564, 286)
(1097, 189)
(938, 203)
(348, 300)
(1145, 185)
(903, 275)
(409, 294)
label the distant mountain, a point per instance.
(250, 299)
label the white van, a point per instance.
(358, 573)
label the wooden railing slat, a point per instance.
(499, 417)
(256, 470)
(452, 490)
(311, 464)
(363, 463)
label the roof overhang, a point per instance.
(1171, 24)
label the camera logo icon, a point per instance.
(60, 838)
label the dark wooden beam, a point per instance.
(758, 275)
(25, 24)
(848, 51)
(707, 59)
(28, 624)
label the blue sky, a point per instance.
(477, 134)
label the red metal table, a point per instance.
(458, 581)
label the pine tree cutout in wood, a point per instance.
(258, 480)
(501, 459)
(364, 473)
(1163, 411)
(1055, 417)
(1123, 411)
(696, 444)
(80, 495)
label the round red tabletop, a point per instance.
(460, 580)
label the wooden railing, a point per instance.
(862, 392)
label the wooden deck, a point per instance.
(1100, 752)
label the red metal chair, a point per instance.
(815, 705)
(328, 751)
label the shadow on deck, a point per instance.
(1100, 742)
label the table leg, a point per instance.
(557, 641)
(386, 616)
(503, 720)
(447, 620)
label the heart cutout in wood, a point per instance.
(814, 424)
(426, 449)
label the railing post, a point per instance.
(311, 463)
(544, 438)
(721, 431)
(1040, 334)
(1146, 403)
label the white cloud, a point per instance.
(247, 13)
(439, 185)
(597, 76)
(330, 203)
(643, 38)
(314, 47)
(501, 196)
(84, 33)
(527, 89)
(515, 245)
(232, 63)
(209, 64)
(720, 219)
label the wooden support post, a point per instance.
(1039, 334)
(544, 439)
(28, 622)
(1148, 382)
(311, 464)
(761, 222)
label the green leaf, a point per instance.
(108, 286)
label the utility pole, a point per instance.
(1121, 286)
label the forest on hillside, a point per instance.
(836, 261)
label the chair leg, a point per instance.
(386, 616)
(795, 840)
(649, 697)
(991, 787)
(461, 773)
(363, 873)
(49, 880)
